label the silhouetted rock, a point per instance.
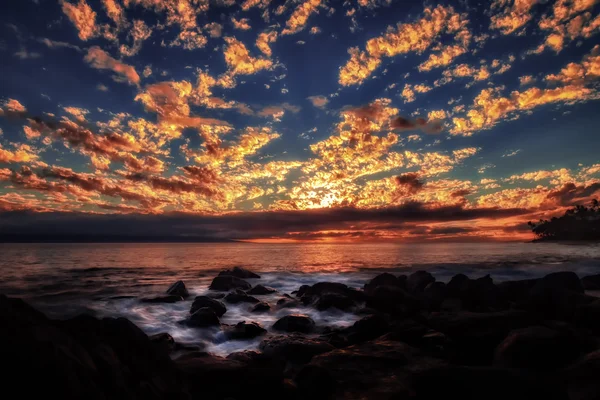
(582, 378)
(227, 282)
(368, 328)
(261, 307)
(178, 289)
(557, 296)
(294, 347)
(295, 323)
(260, 290)
(334, 300)
(538, 348)
(393, 300)
(163, 340)
(205, 301)
(203, 317)
(591, 282)
(163, 299)
(417, 281)
(315, 382)
(483, 295)
(588, 315)
(322, 288)
(517, 291)
(285, 302)
(457, 285)
(434, 294)
(565, 280)
(239, 272)
(239, 296)
(243, 330)
(385, 279)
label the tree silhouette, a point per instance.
(578, 223)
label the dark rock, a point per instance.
(517, 291)
(163, 340)
(163, 299)
(203, 317)
(240, 297)
(261, 307)
(302, 290)
(322, 288)
(315, 382)
(434, 294)
(178, 289)
(260, 289)
(417, 281)
(385, 279)
(591, 282)
(205, 301)
(294, 347)
(239, 272)
(538, 348)
(334, 300)
(227, 282)
(457, 285)
(393, 300)
(476, 383)
(557, 296)
(243, 331)
(295, 323)
(287, 303)
(482, 295)
(368, 328)
(588, 316)
(565, 280)
(246, 356)
(582, 378)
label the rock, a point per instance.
(261, 307)
(417, 281)
(260, 290)
(582, 378)
(295, 323)
(557, 296)
(227, 282)
(537, 348)
(203, 317)
(178, 289)
(321, 288)
(315, 382)
(243, 331)
(205, 301)
(163, 340)
(565, 280)
(368, 328)
(393, 300)
(482, 295)
(476, 383)
(294, 347)
(385, 279)
(302, 290)
(517, 291)
(588, 316)
(287, 303)
(163, 299)
(239, 272)
(246, 356)
(591, 282)
(434, 294)
(457, 285)
(240, 297)
(334, 300)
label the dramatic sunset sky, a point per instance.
(297, 119)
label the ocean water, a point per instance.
(64, 280)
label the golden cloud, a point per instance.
(100, 59)
(83, 17)
(240, 61)
(299, 17)
(318, 101)
(512, 15)
(263, 40)
(21, 154)
(241, 24)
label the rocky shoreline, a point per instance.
(417, 339)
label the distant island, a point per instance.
(579, 223)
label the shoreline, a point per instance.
(461, 339)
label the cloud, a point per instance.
(299, 17)
(101, 87)
(21, 154)
(55, 44)
(241, 24)
(315, 30)
(509, 17)
(240, 61)
(263, 42)
(248, 4)
(137, 34)
(214, 29)
(83, 17)
(24, 54)
(100, 59)
(277, 111)
(115, 12)
(318, 101)
(409, 182)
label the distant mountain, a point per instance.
(579, 223)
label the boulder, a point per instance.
(393, 300)
(294, 347)
(239, 272)
(239, 296)
(368, 328)
(517, 291)
(244, 331)
(260, 290)
(314, 382)
(482, 295)
(285, 302)
(322, 288)
(565, 280)
(205, 301)
(417, 281)
(261, 307)
(163, 340)
(582, 378)
(588, 316)
(385, 279)
(178, 289)
(334, 300)
(557, 296)
(295, 323)
(434, 294)
(163, 299)
(537, 348)
(226, 283)
(203, 317)
(591, 282)
(456, 285)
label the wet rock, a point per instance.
(417, 281)
(302, 290)
(240, 297)
(557, 296)
(227, 282)
(261, 307)
(582, 378)
(295, 323)
(205, 301)
(368, 328)
(178, 289)
(457, 285)
(482, 295)
(385, 279)
(591, 282)
(260, 290)
(203, 317)
(517, 291)
(434, 294)
(163, 340)
(287, 303)
(334, 300)
(321, 288)
(538, 348)
(393, 300)
(244, 330)
(565, 280)
(239, 272)
(294, 347)
(315, 382)
(163, 299)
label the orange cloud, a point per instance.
(263, 40)
(511, 16)
(241, 24)
(299, 17)
(240, 61)
(100, 59)
(318, 101)
(21, 154)
(138, 34)
(115, 12)
(83, 17)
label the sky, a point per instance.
(297, 120)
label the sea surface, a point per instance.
(64, 280)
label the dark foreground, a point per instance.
(419, 339)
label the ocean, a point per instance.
(64, 280)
